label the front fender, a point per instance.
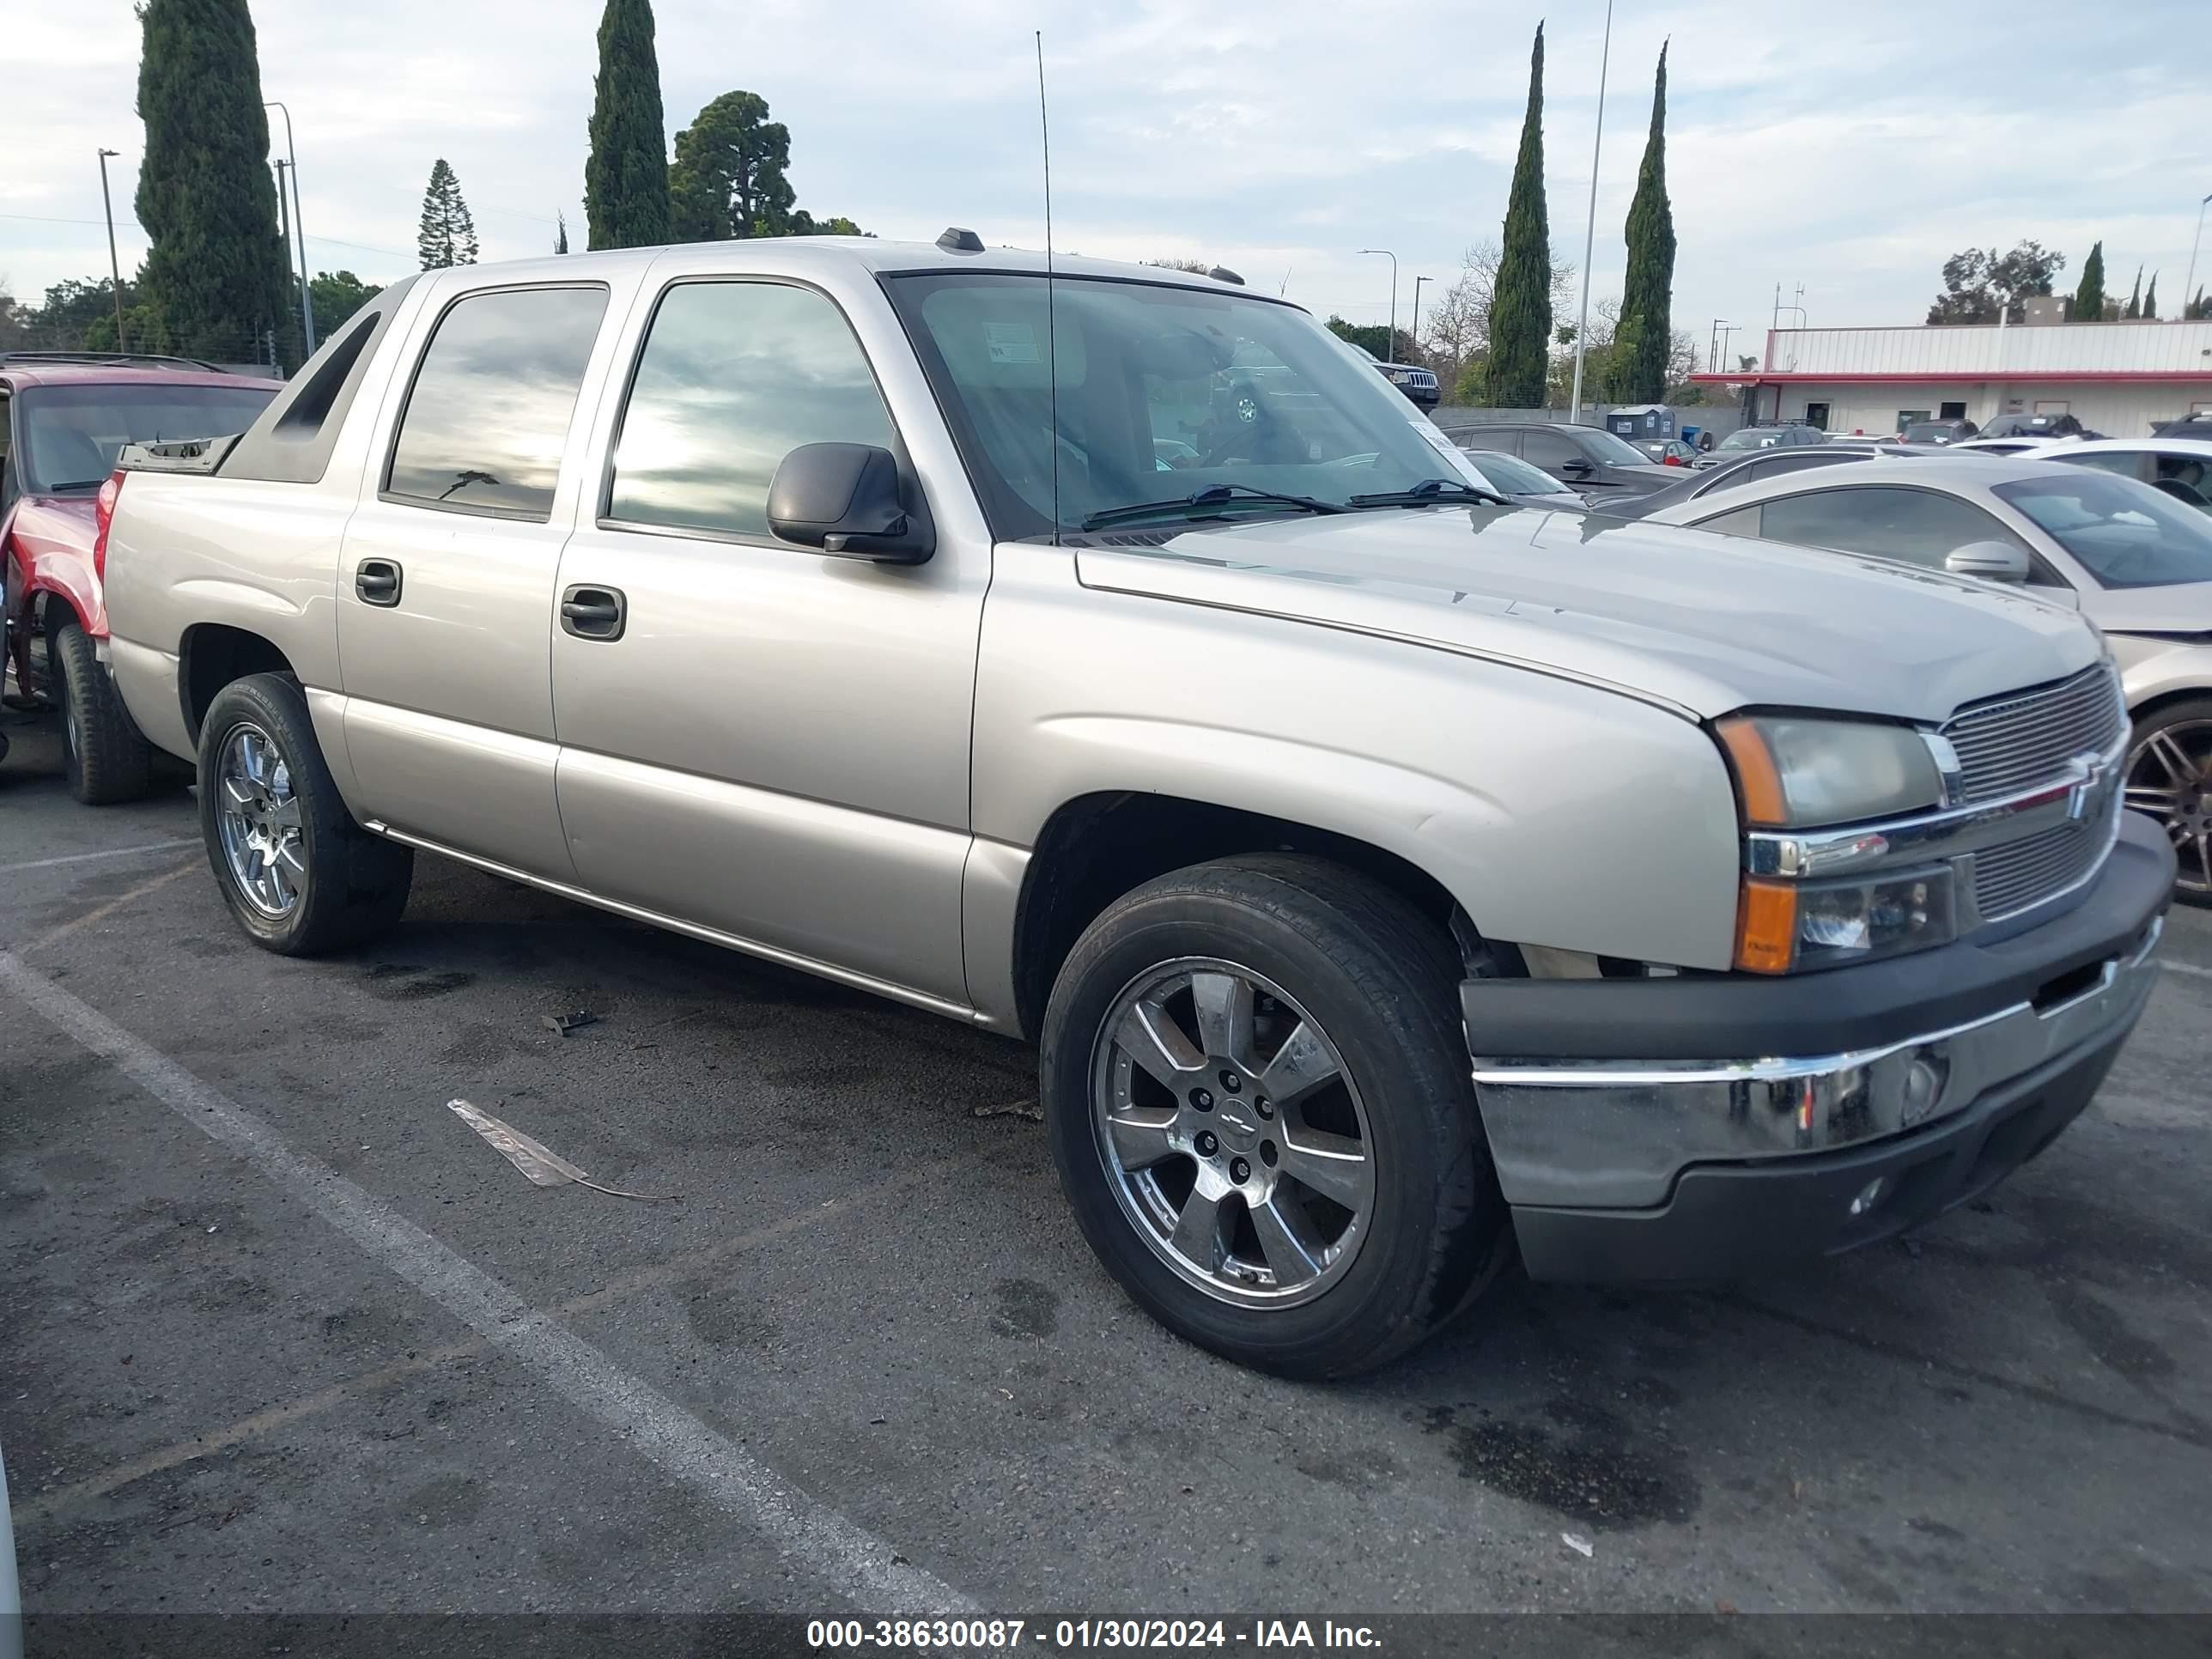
(1556, 813)
(49, 560)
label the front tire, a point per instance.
(1258, 1095)
(107, 760)
(298, 874)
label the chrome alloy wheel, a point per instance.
(1233, 1135)
(2170, 778)
(258, 816)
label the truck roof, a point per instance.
(869, 253)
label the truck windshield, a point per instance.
(1162, 391)
(72, 433)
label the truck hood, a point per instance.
(1701, 622)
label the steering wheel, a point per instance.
(2182, 492)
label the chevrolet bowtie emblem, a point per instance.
(2088, 790)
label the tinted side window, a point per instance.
(735, 376)
(488, 416)
(1487, 438)
(1744, 521)
(2127, 465)
(1549, 450)
(1918, 526)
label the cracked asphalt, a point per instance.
(869, 1303)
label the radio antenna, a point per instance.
(1051, 328)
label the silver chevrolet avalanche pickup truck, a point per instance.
(1391, 877)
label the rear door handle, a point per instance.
(594, 613)
(376, 581)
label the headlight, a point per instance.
(1786, 926)
(1794, 774)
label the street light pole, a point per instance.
(1390, 345)
(1416, 329)
(114, 266)
(2188, 288)
(1589, 230)
(299, 228)
(1713, 344)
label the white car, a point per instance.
(2182, 467)
(2015, 446)
(2134, 560)
(11, 1600)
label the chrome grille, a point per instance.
(2019, 877)
(2011, 744)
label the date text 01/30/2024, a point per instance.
(1076, 1634)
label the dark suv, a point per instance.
(2059, 425)
(1586, 459)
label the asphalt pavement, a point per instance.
(279, 1331)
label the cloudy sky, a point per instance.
(1850, 148)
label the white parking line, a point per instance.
(817, 1540)
(2172, 966)
(111, 853)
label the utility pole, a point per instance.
(1418, 281)
(1589, 230)
(1713, 344)
(1390, 345)
(114, 266)
(2188, 288)
(284, 218)
(299, 228)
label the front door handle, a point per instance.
(594, 613)
(376, 581)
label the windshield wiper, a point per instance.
(1428, 490)
(1220, 495)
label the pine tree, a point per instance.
(216, 276)
(2150, 298)
(447, 234)
(2135, 299)
(561, 234)
(626, 175)
(1521, 306)
(2196, 308)
(1641, 342)
(2089, 298)
(728, 178)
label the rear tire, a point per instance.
(298, 874)
(107, 760)
(1369, 981)
(2169, 780)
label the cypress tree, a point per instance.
(626, 175)
(447, 236)
(2135, 299)
(1646, 332)
(215, 276)
(561, 234)
(1520, 304)
(2150, 298)
(2090, 297)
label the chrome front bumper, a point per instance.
(1617, 1133)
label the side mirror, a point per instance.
(1991, 562)
(1579, 467)
(846, 500)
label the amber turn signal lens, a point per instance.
(1767, 926)
(1757, 779)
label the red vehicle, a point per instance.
(64, 415)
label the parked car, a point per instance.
(1668, 452)
(2134, 560)
(2196, 424)
(1514, 479)
(11, 1595)
(755, 590)
(1586, 459)
(1793, 435)
(1704, 483)
(2180, 466)
(2048, 424)
(64, 417)
(1419, 384)
(1938, 431)
(2008, 446)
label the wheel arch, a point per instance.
(1097, 846)
(212, 655)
